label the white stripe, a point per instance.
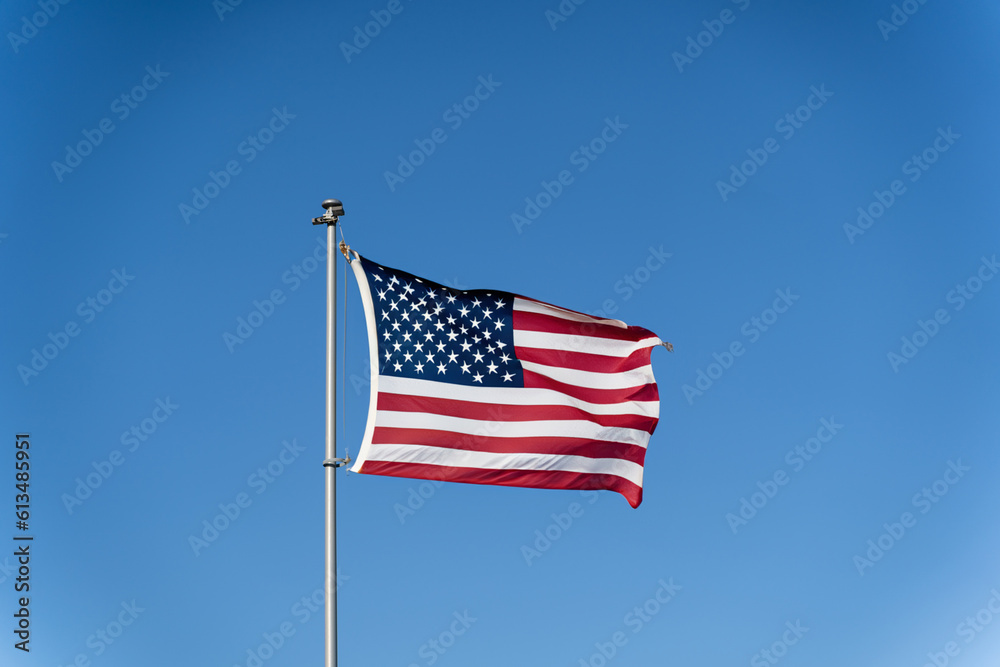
(527, 306)
(465, 459)
(510, 396)
(609, 347)
(638, 377)
(369, 308)
(569, 428)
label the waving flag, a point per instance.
(488, 387)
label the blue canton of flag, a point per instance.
(429, 331)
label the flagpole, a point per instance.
(334, 209)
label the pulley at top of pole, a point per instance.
(334, 209)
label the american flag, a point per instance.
(488, 387)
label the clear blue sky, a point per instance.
(742, 158)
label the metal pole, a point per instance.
(331, 445)
(333, 209)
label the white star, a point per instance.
(419, 347)
(430, 357)
(452, 357)
(439, 325)
(406, 336)
(397, 345)
(417, 325)
(475, 323)
(388, 355)
(507, 377)
(381, 295)
(440, 347)
(477, 377)
(465, 346)
(499, 324)
(451, 320)
(387, 335)
(420, 368)
(429, 336)
(487, 312)
(408, 288)
(501, 345)
(405, 315)
(505, 358)
(492, 367)
(385, 315)
(394, 305)
(487, 334)
(377, 277)
(478, 356)
(432, 294)
(463, 311)
(500, 303)
(397, 366)
(452, 336)
(476, 302)
(441, 368)
(395, 325)
(451, 298)
(407, 356)
(465, 367)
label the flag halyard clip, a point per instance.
(669, 346)
(336, 463)
(345, 250)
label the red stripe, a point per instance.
(594, 449)
(550, 324)
(646, 392)
(621, 324)
(507, 413)
(535, 479)
(584, 361)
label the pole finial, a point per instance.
(334, 209)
